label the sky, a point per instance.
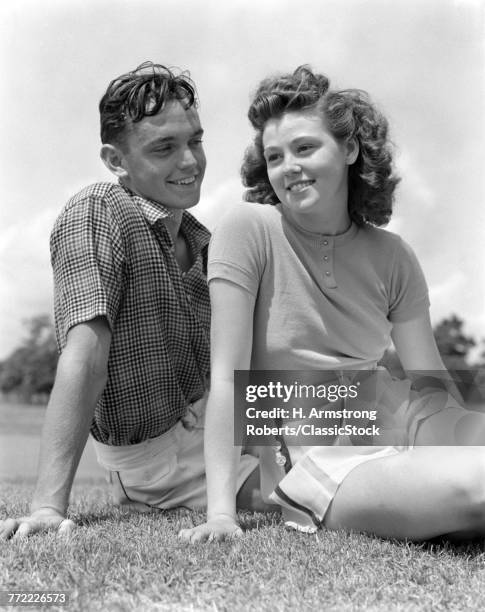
(422, 61)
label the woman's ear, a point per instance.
(352, 151)
(113, 158)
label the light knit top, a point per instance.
(322, 302)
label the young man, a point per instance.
(132, 312)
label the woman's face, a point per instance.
(307, 167)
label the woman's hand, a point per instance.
(218, 528)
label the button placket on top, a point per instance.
(327, 248)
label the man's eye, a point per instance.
(196, 142)
(163, 150)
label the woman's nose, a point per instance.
(291, 166)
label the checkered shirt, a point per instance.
(113, 256)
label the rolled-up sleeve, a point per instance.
(87, 261)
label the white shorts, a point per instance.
(311, 484)
(167, 471)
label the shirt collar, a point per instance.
(155, 212)
(151, 210)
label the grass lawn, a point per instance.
(117, 561)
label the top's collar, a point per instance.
(318, 238)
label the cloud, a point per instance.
(443, 293)
(25, 275)
(218, 201)
(415, 195)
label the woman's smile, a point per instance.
(299, 186)
(308, 169)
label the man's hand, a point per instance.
(218, 528)
(80, 380)
(44, 519)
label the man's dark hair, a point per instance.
(140, 93)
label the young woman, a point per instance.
(301, 278)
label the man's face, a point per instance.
(163, 157)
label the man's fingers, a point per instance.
(23, 530)
(7, 528)
(27, 525)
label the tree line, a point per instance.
(27, 374)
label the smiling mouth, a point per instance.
(185, 181)
(299, 186)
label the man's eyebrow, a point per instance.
(167, 139)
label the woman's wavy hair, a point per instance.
(140, 93)
(348, 114)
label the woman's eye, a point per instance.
(304, 148)
(271, 157)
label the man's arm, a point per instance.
(80, 380)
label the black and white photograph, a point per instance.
(242, 305)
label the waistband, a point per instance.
(117, 458)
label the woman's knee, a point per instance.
(469, 487)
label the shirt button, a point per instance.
(327, 273)
(325, 257)
(325, 242)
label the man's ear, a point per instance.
(113, 159)
(352, 147)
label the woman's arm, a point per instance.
(231, 345)
(416, 346)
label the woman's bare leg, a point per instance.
(417, 494)
(452, 426)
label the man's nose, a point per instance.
(187, 158)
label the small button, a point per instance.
(325, 242)
(325, 257)
(280, 460)
(327, 273)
